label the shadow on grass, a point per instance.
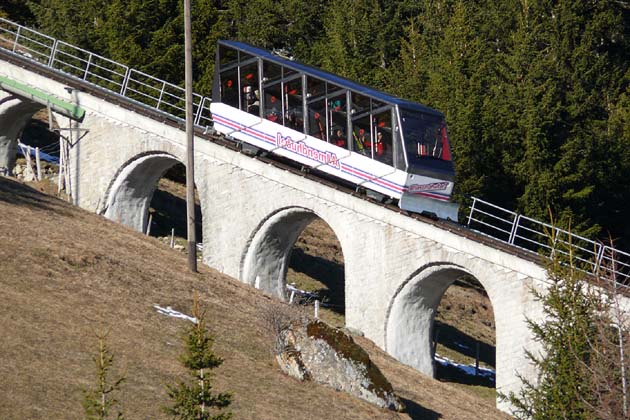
(451, 373)
(462, 343)
(325, 271)
(418, 412)
(169, 212)
(16, 193)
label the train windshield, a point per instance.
(425, 139)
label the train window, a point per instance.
(315, 87)
(250, 93)
(376, 104)
(382, 137)
(273, 103)
(425, 137)
(287, 72)
(271, 72)
(331, 89)
(338, 119)
(229, 87)
(360, 104)
(244, 56)
(227, 56)
(294, 115)
(317, 119)
(361, 139)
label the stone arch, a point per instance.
(130, 192)
(15, 113)
(266, 258)
(411, 313)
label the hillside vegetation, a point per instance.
(65, 273)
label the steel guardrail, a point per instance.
(532, 235)
(116, 78)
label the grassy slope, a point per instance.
(65, 272)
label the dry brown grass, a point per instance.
(64, 273)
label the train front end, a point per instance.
(429, 164)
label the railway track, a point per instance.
(209, 135)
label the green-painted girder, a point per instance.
(67, 109)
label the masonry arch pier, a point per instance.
(410, 320)
(15, 113)
(266, 258)
(130, 193)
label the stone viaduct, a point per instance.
(396, 268)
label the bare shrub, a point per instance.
(278, 319)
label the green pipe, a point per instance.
(67, 109)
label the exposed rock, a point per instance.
(329, 356)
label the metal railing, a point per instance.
(547, 240)
(116, 78)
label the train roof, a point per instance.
(337, 80)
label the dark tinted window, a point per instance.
(317, 119)
(227, 56)
(315, 87)
(382, 137)
(273, 103)
(250, 94)
(362, 141)
(271, 72)
(425, 137)
(229, 87)
(294, 115)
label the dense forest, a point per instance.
(536, 92)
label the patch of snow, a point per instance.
(467, 369)
(168, 311)
(291, 288)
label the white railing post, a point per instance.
(87, 67)
(38, 164)
(472, 210)
(53, 52)
(161, 94)
(199, 110)
(515, 224)
(123, 89)
(17, 37)
(599, 258)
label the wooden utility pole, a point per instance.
(190, 148)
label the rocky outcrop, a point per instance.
(329, 356)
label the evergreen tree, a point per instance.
(570, 312)
(353, 44)
(77, 23)
(99, 402)
(17, 11)
(194, 400)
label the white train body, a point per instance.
(289, 121)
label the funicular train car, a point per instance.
(376, 141)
